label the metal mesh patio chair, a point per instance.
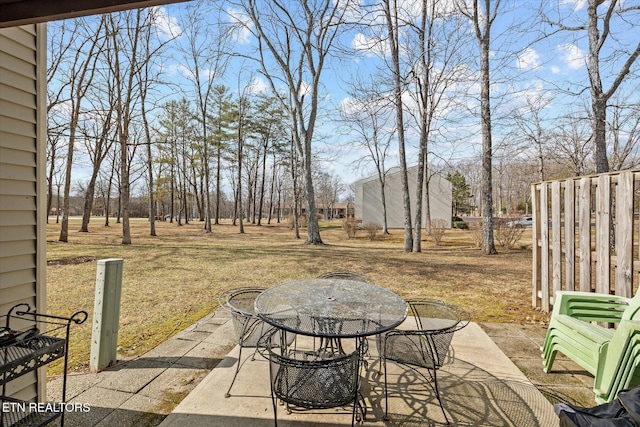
(427, 346)
(347, 275)
(247, 327)
(312, 379)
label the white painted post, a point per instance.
(106, 313)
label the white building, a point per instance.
(368, 200)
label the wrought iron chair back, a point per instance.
(428, 345)
(311, 379)
(247, 326)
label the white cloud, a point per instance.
(184, 71)
(555, 70)
(242, 25)
(257, 85)
(572, 55)
(576, 4)
(529, 59)
(305, 89)
(371, 46)
(166, 25)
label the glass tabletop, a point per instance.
(335, 308)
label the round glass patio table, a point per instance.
(331, 308)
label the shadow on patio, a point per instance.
(480, 387)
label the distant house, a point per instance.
(336, 210)
(368, 201)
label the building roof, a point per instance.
(20, 12)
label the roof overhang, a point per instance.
(21, 12)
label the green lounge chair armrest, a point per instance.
(589, 306)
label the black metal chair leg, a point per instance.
(238, 365)
(435, 386)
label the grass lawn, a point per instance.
(172, 280)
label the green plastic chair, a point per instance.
(611, 355)
(619, 368)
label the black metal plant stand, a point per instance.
(28, 341)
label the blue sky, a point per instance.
(525, 66)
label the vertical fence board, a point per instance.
(624, 235)
(535, 248)
(570, 234)
(556, 241)
(544, 245)
(585, 234)
(603, 240)
(607, 217)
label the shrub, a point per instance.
(507, 233)
(438, 227)
(462, 225)
(350, 226)
(372, 229)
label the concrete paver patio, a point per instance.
(183, 381)
(480, 386)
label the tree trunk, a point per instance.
(88, 202)
(107, 204)
(488, 245)
(272, 189)
(64, 228)
(393, 30)
(262, 183)
(239, 196)
(152, 200)
(218, 179)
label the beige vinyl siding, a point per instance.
(368, 198)
(22, 151)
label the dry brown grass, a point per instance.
(172, 280)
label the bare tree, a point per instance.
(80, 74)
(435, 52)
(482, 15)
(269, 128)
(367, 114)
(294, 42)
(329, 187)
(222, 117)
(98, 142)
(127, 57)
(146, 79)
(572, 144)
(530, 131)
(55, 143)
(610, 28)
(242, 108)
(62, 39)
(624, 134)
(206, 57)
(393, 28)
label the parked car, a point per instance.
(526, 221)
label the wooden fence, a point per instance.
(585, 235)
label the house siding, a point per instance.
(22, 178)
(368, 199)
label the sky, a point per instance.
(527, 63)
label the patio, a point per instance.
(481, 387)
(183, 380)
